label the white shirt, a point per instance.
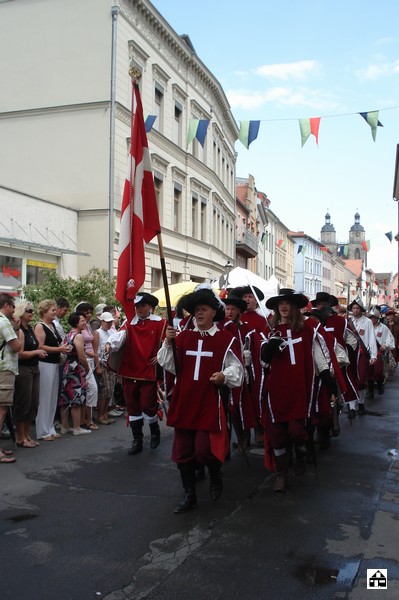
(232, 368)
(365, 329)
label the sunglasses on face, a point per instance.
(29, 310)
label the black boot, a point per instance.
(281, 469)
(370, 394)
(155, 435)
(380, 387)
(200, 472)
(187, 474)
(137, 431)
(361, 410)
(215, 474)
(324, 438)
(300, 460)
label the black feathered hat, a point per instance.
(203, 296)
(299, 300)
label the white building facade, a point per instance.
(65, 120)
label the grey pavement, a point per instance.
(80, 519)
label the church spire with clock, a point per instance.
(357, 235)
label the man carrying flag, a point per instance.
(142, 334)
(139, 213)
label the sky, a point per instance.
(279, 62)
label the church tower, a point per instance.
(328, 234)
(356, 237)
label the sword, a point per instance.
(259, 304)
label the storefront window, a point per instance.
(10, 272)
(35, 270)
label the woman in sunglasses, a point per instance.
(26, 390)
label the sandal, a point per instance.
(92, 426)
(25, 444)
(6, 452)
(6, 459)
(105, 421)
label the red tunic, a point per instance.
(337, 327)
(143, 341)
(196, 402)
(291, 378)
(240, 398)
(255, 321)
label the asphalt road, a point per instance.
(80, 519)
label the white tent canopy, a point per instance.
(239, 276)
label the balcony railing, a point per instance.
(247, 242)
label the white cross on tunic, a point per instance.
(290, 343)
(198, 354)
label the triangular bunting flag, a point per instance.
(372, 119)
(389, 236)
(308, 127)
(323, 249)
(248, 132)
(197, 129)
(303, 249)
(300, 248)
(149, 122)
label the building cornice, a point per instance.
(143, 16)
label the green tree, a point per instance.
(95, 287)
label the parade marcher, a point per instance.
(252, 314)
(239, 398)
(329, 383)
(385, 343)
(140, 340)
(256, 322)
(393, 325)
(207, 357)
(336, 324)
(366, 353)
(293, 358)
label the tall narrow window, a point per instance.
(158, 106)
(194, 216)
(158, 185)
(203, 219)
(177, 194)
(177, 124)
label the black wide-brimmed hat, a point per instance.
(247, 289)
(145, 298)
(299, 300)
(236, 301)
(357, 301)
(324, 297)
(203, 296)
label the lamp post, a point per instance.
(396, 194)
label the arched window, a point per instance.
(357, 253)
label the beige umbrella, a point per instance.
(176, 291)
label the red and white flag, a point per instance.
(139, 212)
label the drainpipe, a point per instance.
(111, 203)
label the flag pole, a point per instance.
(167, 296)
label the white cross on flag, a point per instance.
(139, 212)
